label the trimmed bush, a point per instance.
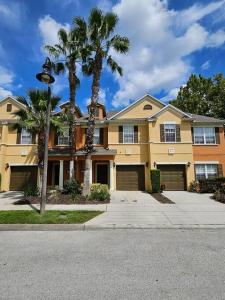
(155, 180)
(71, 187)
(211, 185)
(31, 191)
(99, 192)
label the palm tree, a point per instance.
(69, 51)
(100, 29)
(33, 119)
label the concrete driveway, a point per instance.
(140, 210)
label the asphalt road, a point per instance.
(113, 264)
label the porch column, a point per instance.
(61, 174)
(111, 176)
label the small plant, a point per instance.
(155, 180)
(99, 192)
(72, 187)
(194, 187)
(31, 191)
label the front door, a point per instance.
(102, 173)
(56, 174)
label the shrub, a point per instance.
(194, 187)
(155, 180)
(31, 191)
(210, 185)
(72, 187)
(99, 192)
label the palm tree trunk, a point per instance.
(91, 122)
(41, 146)
(72, 116)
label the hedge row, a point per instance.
(211, 185)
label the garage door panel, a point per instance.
(22, 176)
(173, 177)
(130, 178)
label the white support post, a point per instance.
(61, 174)
(111, 176)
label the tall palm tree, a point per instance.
(33, 119)
(101, 40)
(68, 52)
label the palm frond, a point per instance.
(120, 43)
(52, 51)
(114, 66)
(63, 37)
(111, 20)
(58, 68)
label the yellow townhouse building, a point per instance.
(128, 143)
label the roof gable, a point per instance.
(147, 98)
(13, 100)
(173, 109)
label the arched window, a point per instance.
(147, 107)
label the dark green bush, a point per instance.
(210, 185)
(219, 194)
(72, 187)
(155, 180)
(31, 190)
(99, 192)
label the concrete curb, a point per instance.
(82, 227)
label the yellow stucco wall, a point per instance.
(3, 106)
(137, 110)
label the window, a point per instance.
(63, 138)
(170, 132)
(128, 134)
(147, 107)
(204, 135)
(206, 171)
(26, 137)
(96, 140)
(9, 107)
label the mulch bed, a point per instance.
(60, 199)
(161, 198)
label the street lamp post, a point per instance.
(46, 77)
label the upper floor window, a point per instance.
(9, 107)
(26, 137)
(147, 107)
(63, 138)
(128, 134)
(170, 132)
(204, 135)
(96, 140)
(204, 171)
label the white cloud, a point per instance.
(171, 95)
(205, 65)
(216, 39)
(157, 58)
(4, 93)
(6, 76)
(49, 29)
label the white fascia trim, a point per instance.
(146, 95)
(22, 165)
(14, 99)
(169, 122)
(173, 108)
(172, 163)
(129, 164)
(201, 162)
(64, 103)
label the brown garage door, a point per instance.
(173, 177)
(130, 178)
(21, 176)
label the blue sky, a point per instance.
(170, 39)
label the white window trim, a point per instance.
(206, 170)
(204, 136)
(62, 135)
(98, 136)
(124, 134)
(170, 123)
(21, 137)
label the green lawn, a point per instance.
(49, 217)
